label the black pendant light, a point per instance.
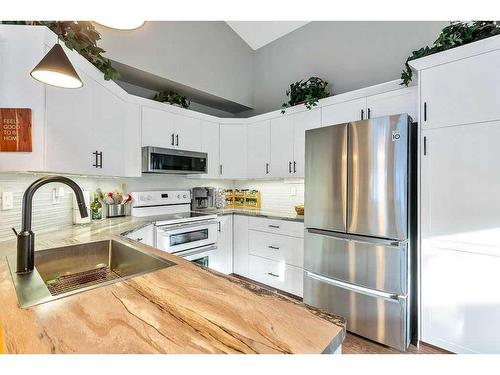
(55, 69)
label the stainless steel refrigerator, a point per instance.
(360, 225)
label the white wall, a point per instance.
(205, 55)
(350, 55)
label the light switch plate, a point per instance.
(293, 191)
(7, 200)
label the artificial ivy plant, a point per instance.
(308, 92)
(455, 34)
(172, 97)
(80, 36)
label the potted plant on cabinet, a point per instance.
(173, 98)
(454, 35)
(306, 92)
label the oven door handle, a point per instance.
(198, 250)
(168, 228)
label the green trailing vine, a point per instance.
(455, 34)
(308, 92)
(80, 36)
(172, 98)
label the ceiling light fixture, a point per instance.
(55, 69)
(121, 25)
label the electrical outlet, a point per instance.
(293, 191)
(57, 194)
(7, 200)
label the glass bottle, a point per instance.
(96, 208)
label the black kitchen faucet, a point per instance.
(26, 238)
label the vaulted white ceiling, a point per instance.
(259, 33)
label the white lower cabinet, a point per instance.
(276, 247)
(270, 251)
(278, 275)
(222, 261)
(240, 248)
(460, 299)
(145, 235)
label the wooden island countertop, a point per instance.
(181, 309)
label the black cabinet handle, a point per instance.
(273, 247)
(369, 113)
(220, 169)
(177, 140)
(362, 114)
(289, 167)
(294, 167)
(267, 168)
(425, 111)
(273, 226)
(218, 226)
(173, 135)
(273, 274)
(425, 145)
(98, 159)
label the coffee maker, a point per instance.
(203, 198)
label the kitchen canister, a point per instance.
(117, 210)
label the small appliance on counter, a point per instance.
(77, 219)
(203, 197)
(207, 198)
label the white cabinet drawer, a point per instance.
(277, 247)
(276, 274)
(287, 228)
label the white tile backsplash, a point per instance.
(48, 216)
(276, 194)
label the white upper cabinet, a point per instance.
(461, 92)
(210, 145)
(86, 130)
(71, 138)
(108, 130)
(259, 149)
(282, 133)
(303, 121)
(169, 130)
(187, 133)
(158, 128)
(233, 150)
(352, 110)
(393, 103)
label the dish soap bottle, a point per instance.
(96, 208)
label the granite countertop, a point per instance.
(181, 309)
(270, 214)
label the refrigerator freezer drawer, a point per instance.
(373, 263)
(381, 317)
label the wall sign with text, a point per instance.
(15, 130)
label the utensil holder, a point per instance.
(117, 210)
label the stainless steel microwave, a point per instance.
(166, 160)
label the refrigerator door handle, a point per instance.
(355, 288)
(356, 238)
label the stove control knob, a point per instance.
(178, 196)
(184, 196)
(149, 197)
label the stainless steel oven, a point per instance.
(165, 160)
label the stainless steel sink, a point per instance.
(67, 270)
